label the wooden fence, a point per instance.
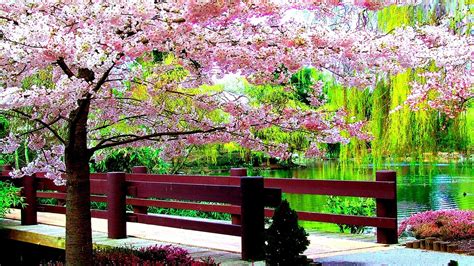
(241, 196)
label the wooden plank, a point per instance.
(100, 176)
(223, 194)
(211, 227)
(52, 208)
(92, 175)
(48, 184)
(40, 174)
(185, 179)
(42, 239)
(232, 209)
(5, 174)
(288, 185)
(382, 222)
(98, 198)
(98, 186)
(61, 195)
(368, 189)
(99, 214)
(51, 195)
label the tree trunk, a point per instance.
(78, 215)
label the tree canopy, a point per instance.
(117, 73)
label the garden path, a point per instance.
(224, 248)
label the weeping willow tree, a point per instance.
(406, 135)
(403, 135)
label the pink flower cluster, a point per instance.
(97, 54)
(445, 224)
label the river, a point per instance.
(420, 187)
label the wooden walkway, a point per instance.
(224, 248)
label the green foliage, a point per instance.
(285, 240)
(351, 206)
(5, 158)
(48, 201)
(126, 158)
(190, 213)
(3, 126)
(9, 196)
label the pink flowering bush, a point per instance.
(153, 255)
(445, 224)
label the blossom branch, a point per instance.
(129, 138)
(49, 127)
(40, 128)
(118, 121)
(64, 67)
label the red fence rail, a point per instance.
(241, 196)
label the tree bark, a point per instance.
(78, 215)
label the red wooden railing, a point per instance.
(241, 199)
(118, 189)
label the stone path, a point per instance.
(397, 256)
(223, 248)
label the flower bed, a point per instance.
(443, 224)
(153, 255)
(455, 226)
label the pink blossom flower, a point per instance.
(446, 224)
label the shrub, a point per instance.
(445, 224)
(351, 206)
(285, 240)
(9, 196)
(153, 255)
(116, 256)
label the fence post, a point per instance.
(236, 218)
(387, 208)
(29, 212)
(252, 214)
(116, 208)
(139, 170)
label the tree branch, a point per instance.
(103, 79)
(64, 67)
(52, 130)
(120, 120)
(84, 103)
(9, 19)
(40, 128)
(129, 138)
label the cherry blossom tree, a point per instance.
(109, 86)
